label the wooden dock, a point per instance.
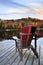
(9, 56)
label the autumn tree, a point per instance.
(41, 28)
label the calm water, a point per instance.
(39, 41)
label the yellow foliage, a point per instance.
(20, 25)
(4, 26)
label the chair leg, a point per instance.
(35, 42)
(34, 50)
(16, 45)
(20, 53)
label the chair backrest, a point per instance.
(27, 35)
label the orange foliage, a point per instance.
(33, 24)
(37, 24)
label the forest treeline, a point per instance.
(15, 25)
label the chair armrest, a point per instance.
(24, 34)
(15, 38)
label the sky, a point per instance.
(17, 9)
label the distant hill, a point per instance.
(26, 21)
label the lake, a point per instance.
(39, 41)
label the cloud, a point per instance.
(15, 11)
(38, 11)
(35, 4)
(36, 8)
(18, 11)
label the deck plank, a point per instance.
(9, 56)
(5, 49)
(5, 54)
(41, 56)
(25, 58)
(17, 61)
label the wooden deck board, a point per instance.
(41, 56)
(9, 56)
(4, 50)
(17, 61)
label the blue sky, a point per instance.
(16, 9)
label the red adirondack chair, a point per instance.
(26, 36)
